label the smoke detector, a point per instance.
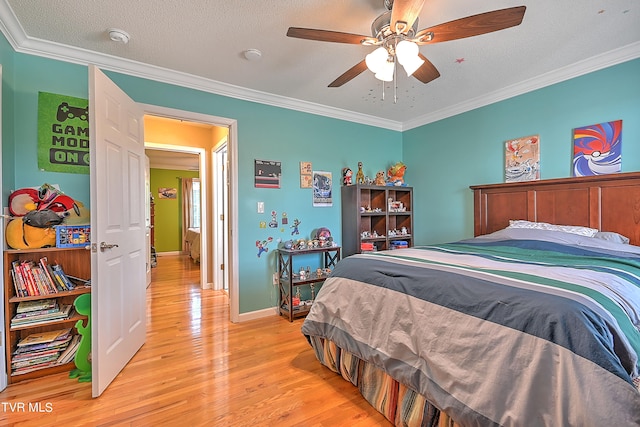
(252, 54)
(118, 36)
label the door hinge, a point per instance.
(221, 266)
(221, 217)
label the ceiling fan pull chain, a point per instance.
(395, 82)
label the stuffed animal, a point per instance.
(25, 200)
(380, 178)
(23, 236)
(396, 174)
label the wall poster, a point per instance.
(597, 149)
(522, 159)
(267, 174)
(63, 133)
(322, 189)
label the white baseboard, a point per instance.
(259, 314)
(170, 253)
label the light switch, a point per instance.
(260, 207)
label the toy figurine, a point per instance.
(396, 174)
(347, 175)
(380, 178)
(360, 174)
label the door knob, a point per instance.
(104, 246)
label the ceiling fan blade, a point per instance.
(405, 11)
(351, 73)
(427, 71)
(326, 35)
(474, 25)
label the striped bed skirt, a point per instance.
(398, 403)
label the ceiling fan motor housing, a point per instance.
(381, 27)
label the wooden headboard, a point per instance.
(606, 202)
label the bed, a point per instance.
(527, 323)
(192, 238)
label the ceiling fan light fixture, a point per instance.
(408, 55)
(377, 59)
(386, 72)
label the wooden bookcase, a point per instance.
(74, 261)
(367, 217)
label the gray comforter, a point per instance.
(503, 330)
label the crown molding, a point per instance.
(595, 63)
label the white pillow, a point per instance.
(575, 229)
(612, 237)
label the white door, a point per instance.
(117, 229)
(147, 218)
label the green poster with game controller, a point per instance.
(63, 133)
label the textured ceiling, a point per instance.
(200, 44)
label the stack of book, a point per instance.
(30, 313)
(41, 350)
(42, 278)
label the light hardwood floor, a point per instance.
(198, 369)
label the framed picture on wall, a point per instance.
(167, 193)
(522, 159)
(597, 149)
(267, 174)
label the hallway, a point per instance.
(199, 369)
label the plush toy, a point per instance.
(396, 174)
(48, 197)
(23, 236)
(380, 178)
(82, 216)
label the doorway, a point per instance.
(176, 223)
(216, 274)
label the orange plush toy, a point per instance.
(23, 236)
(396, 174)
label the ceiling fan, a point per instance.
(396, 34)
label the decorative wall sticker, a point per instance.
(296, 224)
(262, 245)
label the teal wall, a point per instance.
(443, 158)
(168, 212)
(446, 157)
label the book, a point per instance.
(58, 314)
(59, 272)
(44, 337)
(45, 269)
(43, 304)
(69, 353)
(17, 276)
